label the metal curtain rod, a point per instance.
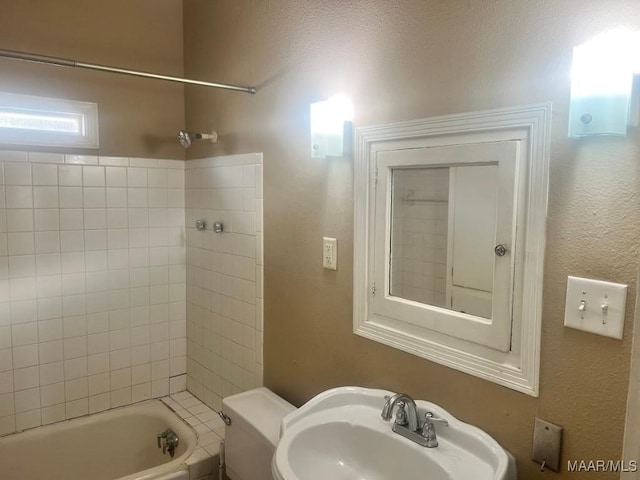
(64, 62)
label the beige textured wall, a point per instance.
(403, 60)
(138, 117)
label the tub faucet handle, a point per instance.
(168, 441)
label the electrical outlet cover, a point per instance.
(329, 253)
(547, 440)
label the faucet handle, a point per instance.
(163, 436)
(429, 417)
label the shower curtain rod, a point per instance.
(64, 62)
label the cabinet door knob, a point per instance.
(500, 250)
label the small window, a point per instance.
(47, 122)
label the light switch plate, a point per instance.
(595, 306)
(547, 440)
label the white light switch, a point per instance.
(595, 306)
(330, 253)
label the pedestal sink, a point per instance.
(340, 435)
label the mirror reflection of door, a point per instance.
(443, 236)
(472, 238)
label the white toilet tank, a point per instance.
(251, 439)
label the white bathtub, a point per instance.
(118, 444)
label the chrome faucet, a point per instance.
(402, 400)
(168, 441)
(406, 423)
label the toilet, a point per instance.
(251, 439)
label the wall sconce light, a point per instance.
(602, 78)
(332, 127)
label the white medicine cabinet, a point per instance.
(449, 240)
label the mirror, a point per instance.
(443, 236)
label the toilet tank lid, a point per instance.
(259, 410)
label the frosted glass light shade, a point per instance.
(601, 84)
(331, 127)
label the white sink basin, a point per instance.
(340, 435)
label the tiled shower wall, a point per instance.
(92, 284)
(224, 276)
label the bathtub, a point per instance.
(118, 444)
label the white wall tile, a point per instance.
(52, 374)
(47, 242)
(95, 219)
(137, 177)
(143, 162)
(44, 174)
(119, 359)
(47, 264)
(81, 159)
(27, 400)
(158, 178)
(44, 157)
(160, 388)
(77, 408)
(84, 290)
(45, 197)
(25, 356)
(137, 197)
(117, 218)
(69, 175)
(17, 173)
(21, 243)
(28, 420)
(7, 405)
(12, 156)
(6, 382)
(93, 176)
(121, 161)
(223, 278)
(70, 197)
(6, 361)
(141, 392)
(18, 196)
(7, 424)
(25, 378)
(116, 177)
(53, 414)
(99, 403)
(94, 197)
(77, 388)
(22, 266)
(51, 354)
(120, 397)
(100, 383)
(98, 363)
(116, 197)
